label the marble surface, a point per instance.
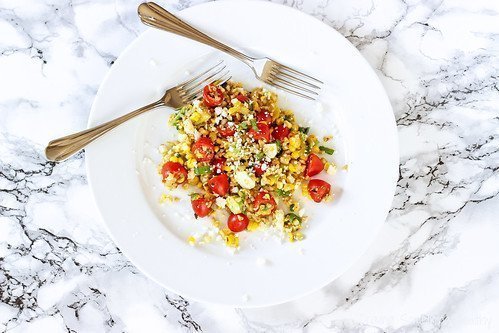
(434, 267)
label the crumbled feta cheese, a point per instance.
(243, 179)
(196, 103)
(301, 212)
(270, 150)
(197, 135)
(218, 110)
(220, 202)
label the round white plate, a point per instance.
(353, 107)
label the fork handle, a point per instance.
(156, 16)
(60, 149)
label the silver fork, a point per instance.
(265, 69)
(62, 148)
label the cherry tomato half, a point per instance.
(280, 132)
(203, 149)
(201, 206)
(237, 222)
(318, 189)
(226, 130)
(218, 164)
(242, 98)
(263, 132)
(219, 184)
(264, 204)
(314, 165)
(263, 116)
(176, 170)
(213, 95)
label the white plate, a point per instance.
(354, 108)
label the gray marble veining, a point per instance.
(434, 266)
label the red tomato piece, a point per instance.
(218, 164)
(213, 95)
(237, 222)
(242, 98)
(258, 170)
(203, 149)
(263, 116)
(226, 130)
(201, 206)
(263, 132)
(280, 132)
(264, 203)
(318, 189)
(314, 165)
(219, 184)
(175, 169)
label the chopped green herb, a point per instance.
(292, 216)
(243, 125)
(304, 130)
(194, 196)
(307, 148)
(202, 170)
(329, 151)
(292, 207)
(279, 145)
(283, 193)
(176, 118)
(253, 124)
(260, 155)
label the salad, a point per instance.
(244, 159)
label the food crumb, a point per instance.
(345, 167)
(191, 240)
(168, 198)
(261, 261)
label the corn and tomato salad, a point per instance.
(239, 153)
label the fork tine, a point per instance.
(289, 69)
(183, 84)
(297, 87)
(197, 91)
(278, 72)
(291, 90)
(186, 91)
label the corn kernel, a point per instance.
(191, 240)
(252, 226)
(231, 240)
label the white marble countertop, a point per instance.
(434, 266)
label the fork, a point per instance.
(265, 69)
(60, 149)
